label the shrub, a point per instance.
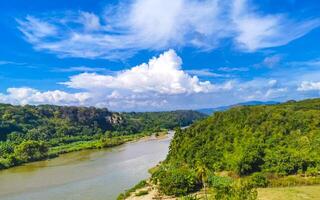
(236, 191)
(176, 181)
(31, 151)
(259, 180)
(250, 161)
(219, 181)
(312, 171)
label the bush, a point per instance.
(312, 171)
(236, 191)
(4, 163)
(31, 151)
(219, 181)
(250, 161)
(259, 180)
(176, 181)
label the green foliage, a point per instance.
(157, 121)
(127, 193)
(63, 129)
(259, 180)
(296, 180)
(219, 181)
(282, 139)
(31, 151)
(176, 181)
(250, 160)
(142, 193)
(312, 171)
(236, 191)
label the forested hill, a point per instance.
(47, 121)
(250, 145)
(281, 139)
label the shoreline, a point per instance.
(69, 148)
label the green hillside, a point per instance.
(266, 141)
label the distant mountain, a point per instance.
(209, 111)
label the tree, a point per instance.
(31, 151)
(202, 170)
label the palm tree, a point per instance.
(202, 170)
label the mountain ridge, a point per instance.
(209, 111)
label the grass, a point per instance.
(290, 193)
(127, 193)
(293, 180)
(93, 144)
(141, 193)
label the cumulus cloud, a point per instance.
(309, 86)
(159, 84)
(136, 25)
(25, 95)
(161, 74)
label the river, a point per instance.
(84, 175)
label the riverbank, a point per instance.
(310, 192)
(95, 144)
(222, 186)
(146, 191)
(99, 174)
(55, 151)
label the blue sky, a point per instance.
(158, 54)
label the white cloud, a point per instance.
(233, 69)
(161, 75)
(257, 31)
(25, 95)
(275, 92)
(261, 89)
(309, 86)
(90, 21)
(81, 69)
(161, 24)
(272, 82)
(271, 61)
(141, 24)
(205, 73)
(35, 29)
(159, 84)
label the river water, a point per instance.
(84, 175)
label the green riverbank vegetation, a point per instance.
(230, 154)
(32, 133)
